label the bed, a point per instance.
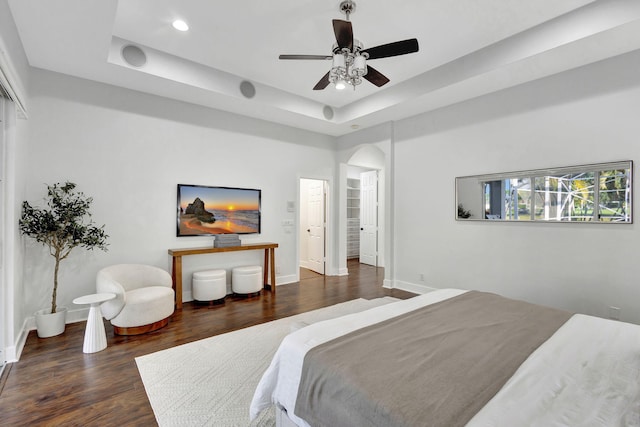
(453, 358)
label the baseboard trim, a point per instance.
(79, 315)
(13, 353)
(408, 286)
(283, 280)
(305, 264)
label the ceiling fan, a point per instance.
(350, 57)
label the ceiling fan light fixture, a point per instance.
(359, 67)
(348, 67)
(339, 62)
(349, 57)
(180, 25)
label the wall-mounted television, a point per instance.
(205, 210)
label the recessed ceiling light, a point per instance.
(180, 25)
(355, 126)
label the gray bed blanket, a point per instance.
(435, 366)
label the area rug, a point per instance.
(211, 382)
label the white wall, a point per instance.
(589, 115)
(128, 151)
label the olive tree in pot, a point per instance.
(62, 225)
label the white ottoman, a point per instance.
(209, 285)
(246, 280)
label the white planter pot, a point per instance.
(50, 325)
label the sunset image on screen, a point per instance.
(217, 210)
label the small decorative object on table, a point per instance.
(226, 240)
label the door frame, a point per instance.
(376, 156)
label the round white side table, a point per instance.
(95, 338)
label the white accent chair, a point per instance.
(144, 297)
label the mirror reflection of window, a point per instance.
(614, 196)
(493, 204)
(565, 197)
(592, 193)
(508, 199)
(518, 199)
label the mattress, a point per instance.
(587, 373)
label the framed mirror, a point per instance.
(598, 193)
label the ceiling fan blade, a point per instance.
(305, 57)
(393, 49)
(344, 33)
(324, 82)
(375, 76)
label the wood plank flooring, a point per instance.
(55, 384)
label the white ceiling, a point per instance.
(467, 48)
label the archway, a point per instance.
(365, 205)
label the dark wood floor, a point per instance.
(55, 384)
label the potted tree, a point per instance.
(62, 225)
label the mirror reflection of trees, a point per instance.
(615, 195)
(568, 197)
(593, 193)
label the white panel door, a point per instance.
(315, 221)
(369, 218)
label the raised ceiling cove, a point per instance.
(468, 48)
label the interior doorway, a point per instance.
(312, 231)
(364, 174)
(362, 215)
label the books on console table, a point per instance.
(226, 241)
(223, 237)
(226, 245)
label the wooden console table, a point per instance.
(269, 256)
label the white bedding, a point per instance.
(586, 374)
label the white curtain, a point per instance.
(3, 302)
(7, 226)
